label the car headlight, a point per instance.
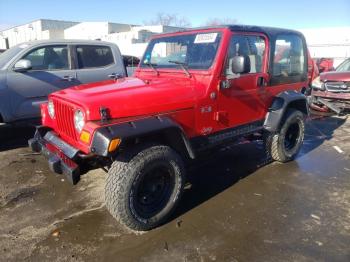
(317, 83)
(79, 120)
(51, 109)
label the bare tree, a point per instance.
(169, 20)
(220, 21)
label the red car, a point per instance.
(193, 91)
(325, 64)
(331, 90)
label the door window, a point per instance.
(251, 46)
(49, 58)
(91, 56)
(289, 57)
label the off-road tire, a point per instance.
(275, 142)
(125, 177)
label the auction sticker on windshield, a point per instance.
(205, 38)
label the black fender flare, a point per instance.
(280, 104)
(140, 128)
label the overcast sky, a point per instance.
(289, 14)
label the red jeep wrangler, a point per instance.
(193, 90)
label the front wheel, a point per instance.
(283, 146)
(141, 193)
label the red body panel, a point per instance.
(195, 102)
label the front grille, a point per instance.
(337, 86)
(64, 114)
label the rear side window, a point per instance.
(49, 58)
(92, 56)
(289, 58)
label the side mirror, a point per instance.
(240, 64)
(23, 65)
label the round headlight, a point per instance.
(51, 109)
(79, 120)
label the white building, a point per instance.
(134, 41)
(332, 42)
(94, 30)
(37, 30)
(131, 39)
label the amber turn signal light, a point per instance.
(114, 144)
(85, 136)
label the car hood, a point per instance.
(335, 76)
(130, 97)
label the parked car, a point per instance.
(331, 90)
(193, 91)
(325, 64)
(29, 72)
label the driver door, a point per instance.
(242, 100)
(51, 71)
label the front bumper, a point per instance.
(325, 101)
(61, 156)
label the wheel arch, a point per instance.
(280, 104)
(160, 129)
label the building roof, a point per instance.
(64, 41)
(42, 20)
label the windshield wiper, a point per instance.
(152, 65)
(182, 65)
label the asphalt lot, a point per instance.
(236, 207)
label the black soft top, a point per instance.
(269, 31)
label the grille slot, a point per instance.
(64, 117)
(337, 86)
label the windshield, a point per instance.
(9, 54)
(195, 51)
(344, 67)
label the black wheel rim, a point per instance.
(292, 136)
(154, 189)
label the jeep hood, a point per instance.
(335, 76)
(130, 97)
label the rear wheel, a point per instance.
(142, 192)
(283, 146)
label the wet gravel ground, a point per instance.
(235, 208)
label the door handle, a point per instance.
(114, 76)
(68, 78)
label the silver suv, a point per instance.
(30, 71)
